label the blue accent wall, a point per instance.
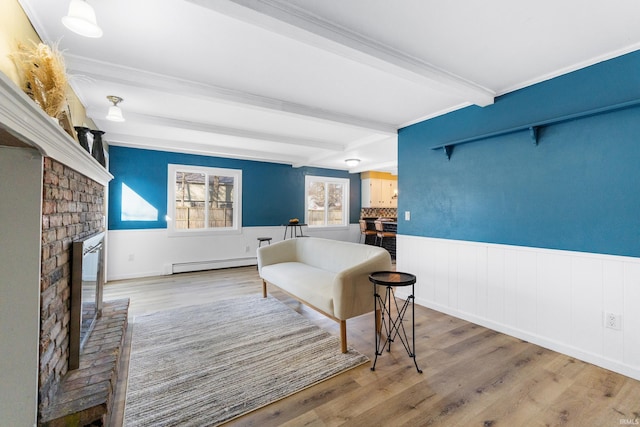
(578, 189)
(271, 193)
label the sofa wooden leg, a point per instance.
(264, 289)
(343, 335)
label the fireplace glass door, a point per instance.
(87, 280)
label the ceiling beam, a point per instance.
(391, 167)
(359, 144)
(225, 130)
(296, 23)
(135, 141)
(371, 139)
(98, 70)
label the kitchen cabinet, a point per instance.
(379, 193)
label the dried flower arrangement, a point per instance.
(43, 75)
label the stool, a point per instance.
(393, 328)
(381, 233)
(365, 232)
(263, 239)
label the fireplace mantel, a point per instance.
(21, 117)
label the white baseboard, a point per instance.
(542, 341)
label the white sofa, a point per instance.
(329, 276)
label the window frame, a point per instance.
(208, 171)
(346, 197)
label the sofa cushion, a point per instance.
(311, 284)
(333, 255)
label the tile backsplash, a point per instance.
(379, 213)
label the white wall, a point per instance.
(20, 235)
(556, 299)
(139, 253)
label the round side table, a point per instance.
(393, 327)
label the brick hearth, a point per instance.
(85, 396)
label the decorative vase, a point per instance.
(82, 137)
(98, 151)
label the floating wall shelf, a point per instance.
(534, 128)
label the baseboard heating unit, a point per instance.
(186, 267)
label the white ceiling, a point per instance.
(312, 83)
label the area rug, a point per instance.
(207, 364)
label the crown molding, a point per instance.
(24, 119)
(569, 69)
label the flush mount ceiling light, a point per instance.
(352, 162)
(115, 113)
(81, 19)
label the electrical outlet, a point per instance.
(247, 248)
(132, 257)
(612, 320)
(407, 215)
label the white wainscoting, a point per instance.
(151, 252)
(556, 299)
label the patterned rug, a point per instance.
(207, 364)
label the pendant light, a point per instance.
(81, 19)
(115, 113)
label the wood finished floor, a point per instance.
(472, 376)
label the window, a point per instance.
(204, 199)
(326, 201)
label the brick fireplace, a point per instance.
(72, 208)
(53, 192)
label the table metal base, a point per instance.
(295, 230)
(394, 327)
